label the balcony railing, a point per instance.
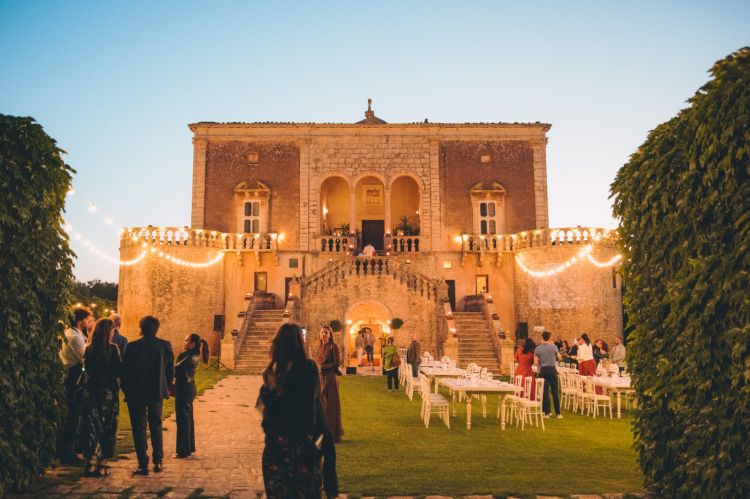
(403, 244)
(476, 243)
(176, 236)
(335, 244)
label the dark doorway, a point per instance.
(372, 233)
(261, 281)
(451, 292)
(287, 280)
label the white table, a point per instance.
(469, 387)
(439, 372)
(614, 384)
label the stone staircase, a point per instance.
(255, 351)
(475, 342)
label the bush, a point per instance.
(683, 201)
(35, 272)
(396, 323)
(335, 325)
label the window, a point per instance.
(252, 217)
(487, 223)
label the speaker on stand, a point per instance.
(219, 328)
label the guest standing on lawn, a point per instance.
(414, 355)
(359, 344)
(71, 354)
(117, 338)
(525, 359)
(546, 357)
(618, 353)
(390, 352)
(370, 347)
(585, 355)
(293, 423)
(101, 400)
(329, 360)
(195, 350)
(148, 372)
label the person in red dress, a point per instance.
(525, 359)
(586, 362)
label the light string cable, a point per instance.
(584, 253)
(146, 247)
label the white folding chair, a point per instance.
(412, 383)
(595, 399)
(533, 407)
(433, 403)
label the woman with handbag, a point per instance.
(102, 368)
(195, 350)
(329, 360)
(391, 361)
(297, 435)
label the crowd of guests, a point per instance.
(583, 354)
(98, 362)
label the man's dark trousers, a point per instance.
(549, 373)
(71, 428)
(138, 416)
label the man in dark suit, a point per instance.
(148, 372)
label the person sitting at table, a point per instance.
(600, 351)
(525, 359)
(572, 354)
(585, 355)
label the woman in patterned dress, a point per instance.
(525, 359)
(297, 435)
(102, 366)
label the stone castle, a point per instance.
(453, 218)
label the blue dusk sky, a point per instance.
(116, 83)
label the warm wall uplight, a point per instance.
(349, 322)
(447, 264)
(458, 239)
(282, 236)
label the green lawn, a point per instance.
(387, 450)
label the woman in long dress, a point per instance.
(195, 350)
(329, 360)
(296, 431)
(525, 359)
(102, 367)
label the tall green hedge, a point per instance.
(35, 281)
(683, 201)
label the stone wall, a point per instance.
(184, 299)
(277, 166)
(582, 298)
(511, 164)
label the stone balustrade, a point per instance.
(403, 244)
(340, 245)
(475, 243)
(353, 266)
(184, 236)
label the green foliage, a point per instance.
(405, 228)
(35, 272)
(683, 201)
(335, 325)
(102, 295)
(396, 323)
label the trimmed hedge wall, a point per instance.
(35, 281)
(683, 201)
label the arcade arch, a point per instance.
(371, 314)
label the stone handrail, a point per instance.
(330, 275)
(476, 243)
(185, 236)
(403, 244)
(335, 244)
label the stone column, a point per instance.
(352, 210)
(388, 210)
(434, 191)
(197, 218)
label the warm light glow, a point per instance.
(92, 207)
(584, 253)
(608, 263)
(458, 239)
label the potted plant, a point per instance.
(335, 325)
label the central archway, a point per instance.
(366, 313)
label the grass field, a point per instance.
(387, 450)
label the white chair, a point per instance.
(595, 400)
(568, 390)
(412, 384)
(579, 397)
(433, 403)
(533, 407)
(525, 396)
(511, 400)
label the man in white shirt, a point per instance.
(368, 251)
(71, 354)
(618, 353)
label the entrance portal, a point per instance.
(370, 314)
(373, 232)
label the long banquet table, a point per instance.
(435, 373)
(469, 387)
(615, 384)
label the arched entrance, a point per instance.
(370, 208)
(405, 199)
(371, 314)
(335, 206)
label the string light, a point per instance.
(584, 253)
(608, 263)
(78, 236)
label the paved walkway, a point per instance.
(227, 461)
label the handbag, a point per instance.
(395, 360)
